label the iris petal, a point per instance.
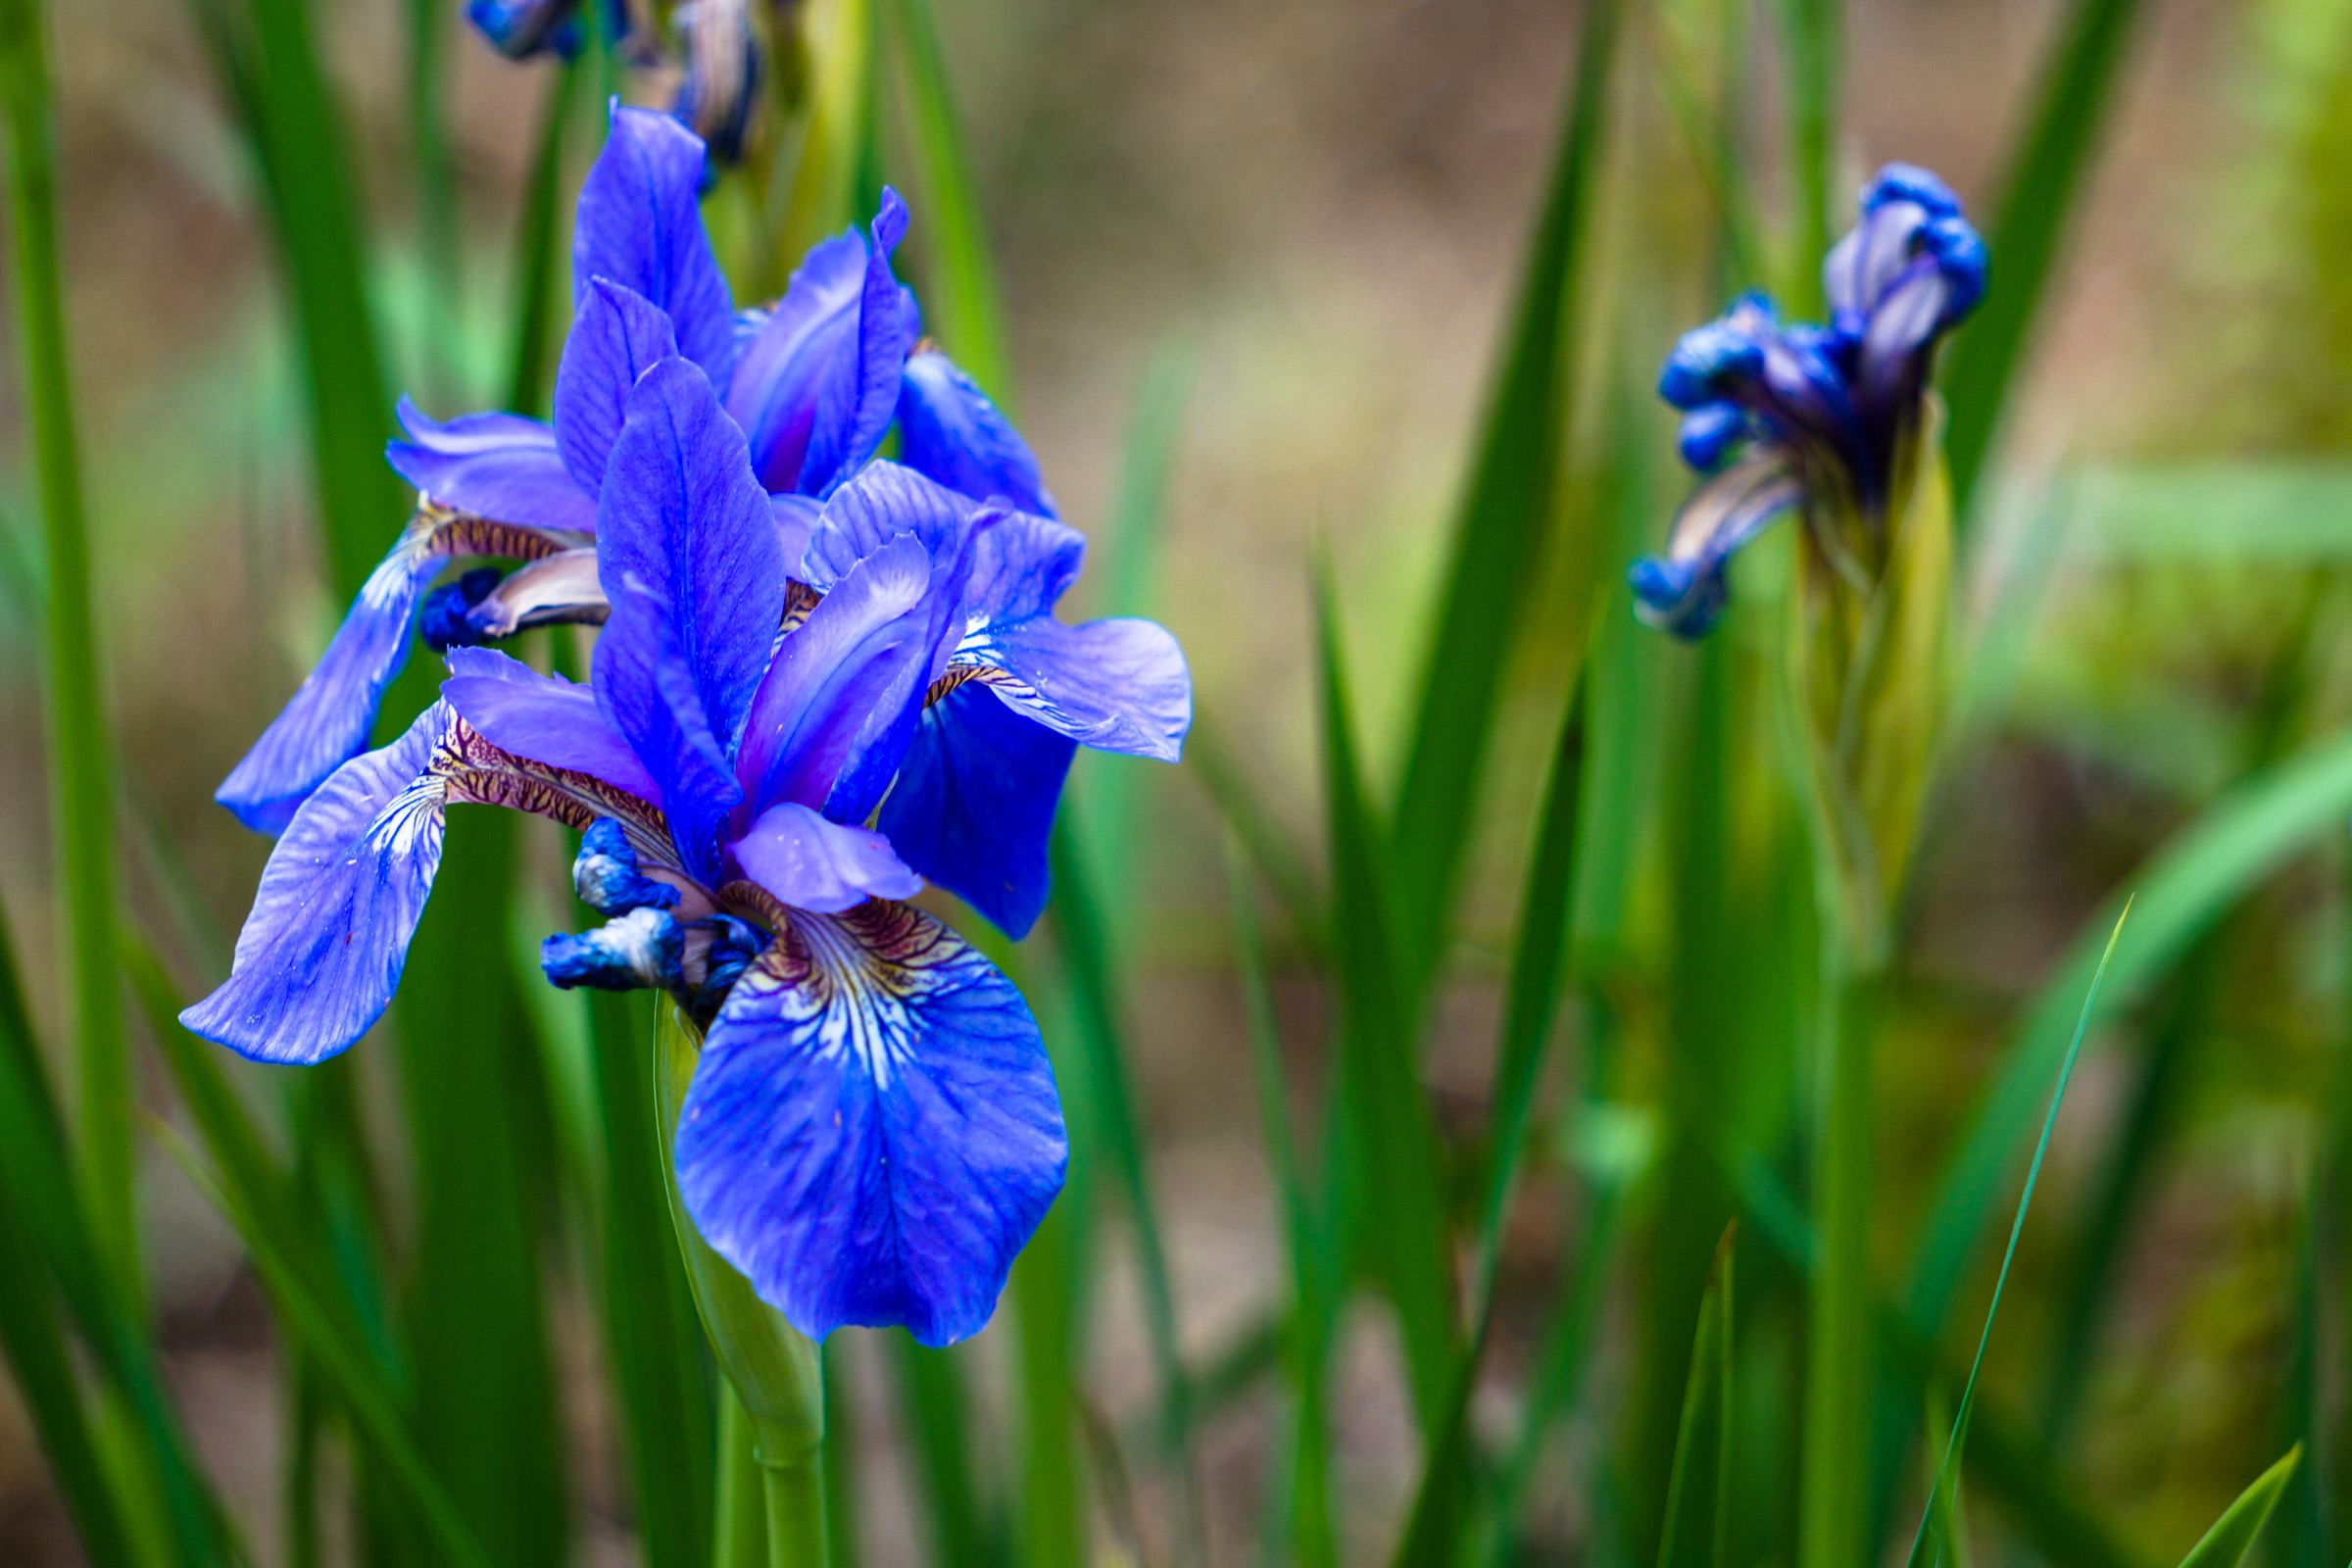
(321, 952)
(544, 718)
(773, 391)
(974, 802)
(872, 1132)
(1114, 685)
(499, 466)
(690, 559)
(811, 863)
(860, 392)
(949, 430)
(885, 499)
(640, 224)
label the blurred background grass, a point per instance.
(1298, 226)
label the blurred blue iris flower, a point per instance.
(1786, 416)
(719, 58)
(872, 1130)
(815, 380)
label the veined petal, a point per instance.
(640, 224)
(690, 559)
(872, 1132)
(499, 466)
(974, 802)
(1021, 568)
(860, 391)
(811, 863)
(321, 952)
(543, 718)
(617, 336)
(839, 678)
(950, 432)
(773, 391)
(796, 520)
(1114, 685)
(326, 722)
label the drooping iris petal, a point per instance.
(1023, 568)
(950, 432)
(606, 877)
(885, 499)
(872, 1132)
(839, 676)
(974, 802)
(544, 718)
(321, 952)
(811, 863)
(639, 224)
(1114, 685)
(497, 465)
(328, 720)
(618, 334)
(1684, 590)
(859, 390)
(775, 388)
(689, 556)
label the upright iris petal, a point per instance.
(950, 432)
(640, 224)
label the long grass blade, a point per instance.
(938, 1422)
(2041, 190)
(1505, 519)
(2232, 1536)
(2017, 1226)
(2230, 848)
(267, 61)
(1397, 1150)
(1697, 1532)
(1813, 39)
(537, 250)
(81, 789)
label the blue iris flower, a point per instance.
(872, 1130)
(815, 380)
(1781, 415)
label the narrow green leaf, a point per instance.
(1045, 1289)
(2232, 1534)
(963, 299)
(2230, 848)
(1697, 1532)
(538, 255)
(2017, 1226)
(843, 1537)
(1506, 519)
(2042, 189)
(483, 1400)
(1213, 762)
(267, 61)
(436, 192)
(1380, 1008)
(81, 789)
(1813, 39)
(35, 1345)
(1078, 917)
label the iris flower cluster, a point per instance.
(1778, 417)
(822, 678)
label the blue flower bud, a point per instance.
(1678, 596)
(1960, 255)
(1908, 182)
(640, 950)
(520, 28)
(1707, 358)
(443, 623)
(606, 875)
(1709, 432)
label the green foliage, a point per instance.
(2232, 1534)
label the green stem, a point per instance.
(795, 1511)
(78, 765)
(742, 1499)
(1835, 1495)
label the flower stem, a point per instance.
(742, 1499)
(795, 1512)
(82, 793)
(1836, 1419)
